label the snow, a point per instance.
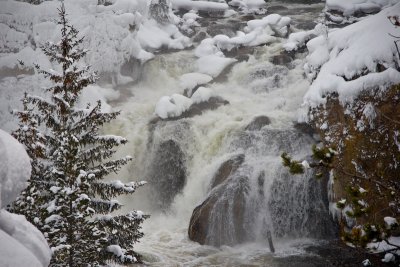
(202, 94)
(189, 20)
(213, 65)
(366, 262)
(305, 164)
(188, 81)
(32, 245)
(153, 36)
(176, 104)
(257, 32)
(199, 5)
(384, 246)
(92, 93)
(113, 34)
(337, 61)
(351, 7)
(297, 40)
(172, 106)
(390, 222)
(388, 257)
(249, 6)
(15, 168)
(116, 250)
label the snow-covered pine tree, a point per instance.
(75, 201)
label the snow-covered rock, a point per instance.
(390, 222)
(199, 5)
(351, 7)
(202, 94)
(21, 244)
(250, 6)
(188, 81)
(213, 65)
(173, 106)
(297, 40)
(15, 168)
(346, 61)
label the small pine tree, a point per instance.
(68, 198)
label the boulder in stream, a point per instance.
(220, 219)
(168, 175)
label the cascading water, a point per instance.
(219, 173)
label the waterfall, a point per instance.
(218, 172)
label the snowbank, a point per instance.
(21, 244)
(113, 34)
(346, 62)
(351, 7)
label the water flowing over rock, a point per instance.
(252, 193)
(228, 194)
(167, 162)
(257, 123)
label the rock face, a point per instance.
(203, 219)
(366, 137)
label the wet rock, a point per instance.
(226, 169)
(198, 108)
(132, 68)
(220, 219)
(276, 9)
(304, 128)
(168, 175)
(240, 53)
(257, 123)
(194, 110)
(265, 77)
(229, 28)
(282, 59)
(199, 37)
(300, 214)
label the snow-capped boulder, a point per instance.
(15, 168)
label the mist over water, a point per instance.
(180, 158)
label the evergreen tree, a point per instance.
(68, 199)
